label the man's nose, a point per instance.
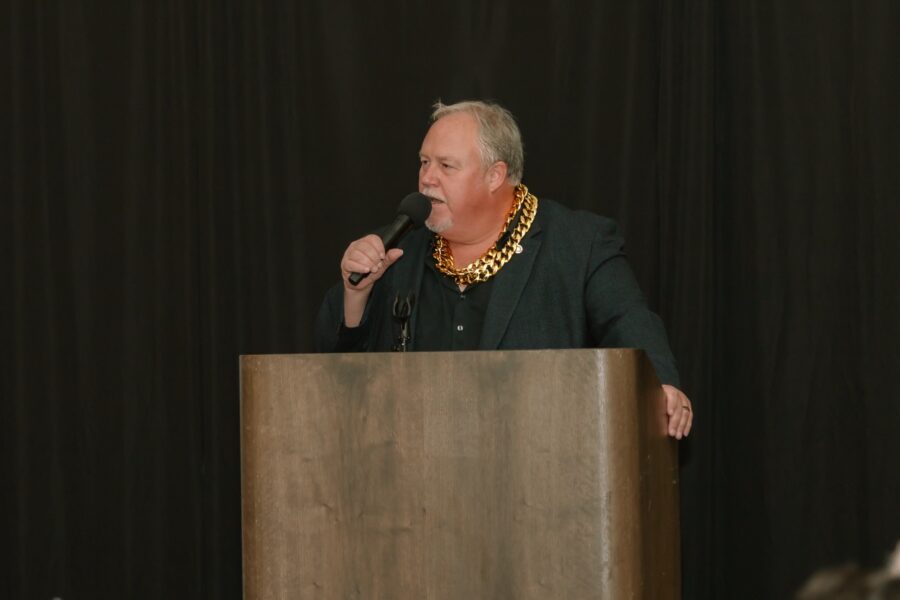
(426, 175)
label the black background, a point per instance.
(180, 180)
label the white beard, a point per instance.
(439, 227)
(431, 223)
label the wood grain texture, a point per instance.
(528, 474)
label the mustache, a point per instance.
(433, 197)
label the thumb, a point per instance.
(392, 256)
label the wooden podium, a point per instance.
(467, 475)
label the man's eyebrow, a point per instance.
(438, 157)
(448, 159)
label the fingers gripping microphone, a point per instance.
(412, 213)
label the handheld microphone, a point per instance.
(412, 213)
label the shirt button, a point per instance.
(459, 327)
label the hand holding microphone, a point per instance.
(367, 258)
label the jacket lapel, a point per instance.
(509, 284)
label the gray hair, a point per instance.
(498, 135)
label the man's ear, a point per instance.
(496, 175)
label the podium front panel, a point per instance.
(521, 474)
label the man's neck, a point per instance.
(467, 251)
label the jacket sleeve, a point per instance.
(618, 315)
(331, 335)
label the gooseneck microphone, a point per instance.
(412, 213)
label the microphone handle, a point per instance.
(355, 278)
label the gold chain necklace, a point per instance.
(495, 258)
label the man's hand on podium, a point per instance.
(679, 411)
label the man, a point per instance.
(498, 269)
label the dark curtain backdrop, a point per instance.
(179, 180)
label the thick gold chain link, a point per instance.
(495, 258)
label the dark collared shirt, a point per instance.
(448, 319)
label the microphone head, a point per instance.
(417, 207)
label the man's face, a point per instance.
(452, 175)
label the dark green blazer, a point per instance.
(571, 287)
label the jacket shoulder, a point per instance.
(558, 219)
